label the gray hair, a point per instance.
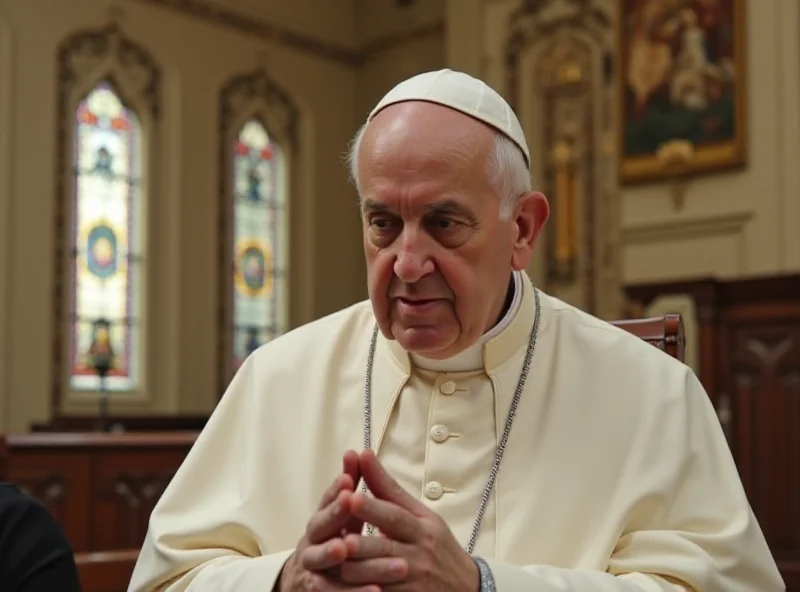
(507, 169)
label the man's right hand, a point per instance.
(322, 546)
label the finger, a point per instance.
(353, 526)
(330, 520)
(383, 486)
(392, 520)
(382, 570)
(319, 583)
(369, 547)
(341, 483)
(318, 558)
(350, 466)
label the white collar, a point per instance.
(471, 359)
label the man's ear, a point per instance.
(531, 213)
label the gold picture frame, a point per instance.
(682, 84)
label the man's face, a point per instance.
(438, 255)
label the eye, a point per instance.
(383, 229)
(381, 223)
(449, 232)
(443, 223)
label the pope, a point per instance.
(461, 430)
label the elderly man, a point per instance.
(508, 440)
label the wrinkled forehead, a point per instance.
(423, 143)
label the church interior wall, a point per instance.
(334, 64)
(740, 223)
(196, 56)
(731, 224)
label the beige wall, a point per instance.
(398, 42)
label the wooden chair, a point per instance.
(666, 333)
(107, 571)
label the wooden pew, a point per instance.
(126, 423)
(107, 571)
(100, 487)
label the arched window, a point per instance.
(109, 96)
(260, 228)
(106, 244)
(257, 121)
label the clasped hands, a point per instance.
(415, 550)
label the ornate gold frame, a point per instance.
(679, 158)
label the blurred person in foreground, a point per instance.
(461, 430)
(35, 555)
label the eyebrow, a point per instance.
(373, 207)
(446, 206)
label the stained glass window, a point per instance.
(259, 240)
(106, 244)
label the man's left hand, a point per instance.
(417, 550)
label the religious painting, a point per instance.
(106, 247)
(259, 240)
(682, 87)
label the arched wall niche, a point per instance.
(558, 76)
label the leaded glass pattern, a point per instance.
(259, 240)
(106, 242)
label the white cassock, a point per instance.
(616, 477)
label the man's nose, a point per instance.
(413, 261)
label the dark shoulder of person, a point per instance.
(35, 555)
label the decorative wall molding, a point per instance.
(86, 58)
(382, 46)
(536, 19)
(272, 33)
(254, 92)
(732, 223)
(555, 70)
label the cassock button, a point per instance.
(447, 388)
(433, 490)
(439, 433)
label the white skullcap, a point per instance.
(463, 93)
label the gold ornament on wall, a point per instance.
(676, 158)
(564, 163)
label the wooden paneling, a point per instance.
(749, 335)
(126, 423)
(100, 487)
